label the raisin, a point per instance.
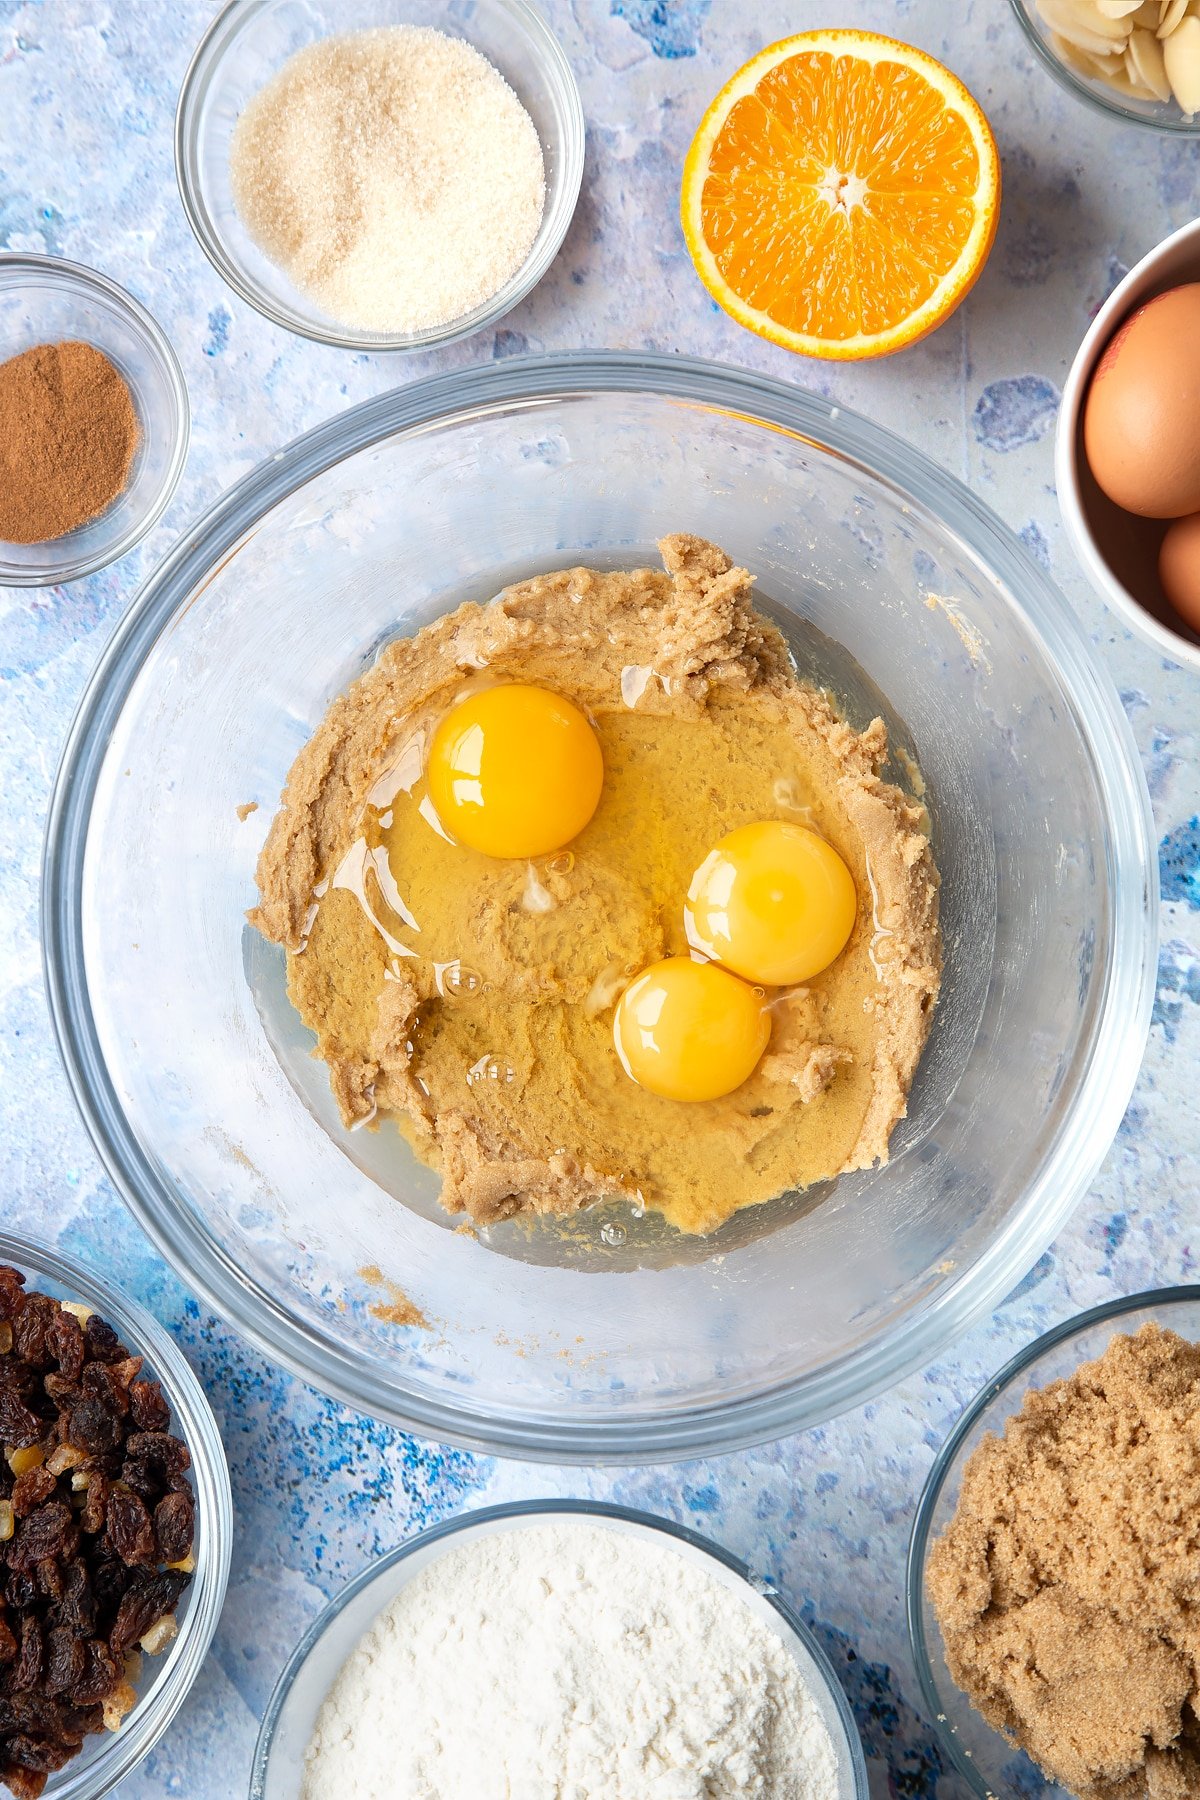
(31, 1329)
(154, 1463)
(20, 1589)
(50, 1531)
(65, 1660)
(64, 1393)
(75, 1609)
(130, 1528)
(32, 1489)
(101, 1341)
(101, 1674)
(175, 1527)
(41, 1754)
(95, 1507)
(8, 1643)
(126, 1372)
(31, 1655)
(149, 1598)
(12, 1291)
(110, 1578)
(19, 1427)
(93, 1427)
(109, 1383)
(150, 1410)
(48, 1575)
(21, 1782)
(64, 1342)
(26, 1712)
(17, 1378)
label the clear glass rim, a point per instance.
(918, 1546)
(561, 199)
(75, 276)
(1072, 1156)
(537, 1509)
(1112, 107)
(193, 1420)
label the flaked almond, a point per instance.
(1145, 62)
(1091, 31)
(1096, 68)
(1144, 49)
(1181, 57)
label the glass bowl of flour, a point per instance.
(570, 1646)
(301, 196)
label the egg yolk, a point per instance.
(515, 771)
(689, 1030)
(774, 902)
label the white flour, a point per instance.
(569, 1662)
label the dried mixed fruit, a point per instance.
(1144, 49)
(97, 1524)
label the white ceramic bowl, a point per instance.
(301, 1689)
(1112, 544)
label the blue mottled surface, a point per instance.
(87, 92)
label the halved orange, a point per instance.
(841, 194)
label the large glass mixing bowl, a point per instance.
(611, 1338)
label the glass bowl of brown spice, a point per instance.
(93, 421)
(115, 1529)
(1053, 1563)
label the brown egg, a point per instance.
(1179, 568)
(1141, 420)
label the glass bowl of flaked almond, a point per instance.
(115, 1528)
(1137, 60)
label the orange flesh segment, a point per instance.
(879, 132)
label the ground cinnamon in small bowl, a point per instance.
(1066, 1584)
(68, 434)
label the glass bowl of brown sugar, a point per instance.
(1063, 1452)
(93, 421)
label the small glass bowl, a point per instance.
(108, 1757)
(301, 1689)
(990, 1765)
(45, 300)
(1159, 115)
(248, 42)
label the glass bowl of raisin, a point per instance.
(115, 1529)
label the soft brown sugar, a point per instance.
(1067, 1584)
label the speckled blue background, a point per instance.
(87, 94)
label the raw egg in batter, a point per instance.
(689, 1030)
(774, 902)
(515, 771)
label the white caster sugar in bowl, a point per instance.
(570, 1661)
